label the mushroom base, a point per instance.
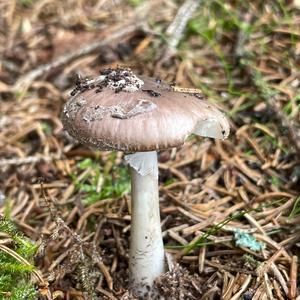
(146, 260)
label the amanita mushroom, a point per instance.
(139, 115)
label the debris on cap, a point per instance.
(119, 79)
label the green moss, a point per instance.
(15, 277)
(102, 182)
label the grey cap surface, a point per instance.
(121, 111)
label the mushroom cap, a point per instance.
(135, 114)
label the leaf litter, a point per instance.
(245, 56)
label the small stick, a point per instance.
(201, 259)
(277, 290)
(170, 261)
(210, 293)
(189, 214)
(264, 267)
(280, 278)
(106, 293)
(242, 289)
(259, 293)
(293, 277)
(229, 288)
(272, 243)
(199, 226)
(177, 237)
(175, 229)
(225, 282)
(17, 161)
(255, 223)
(99, 262)
(176, 28)
(268, 288)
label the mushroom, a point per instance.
(140, 116)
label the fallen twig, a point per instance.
(175, 30)
(17, 161)
(293, 277)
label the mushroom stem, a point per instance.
(146, 260)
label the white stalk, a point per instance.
(146, 260)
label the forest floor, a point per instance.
(220, 200)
